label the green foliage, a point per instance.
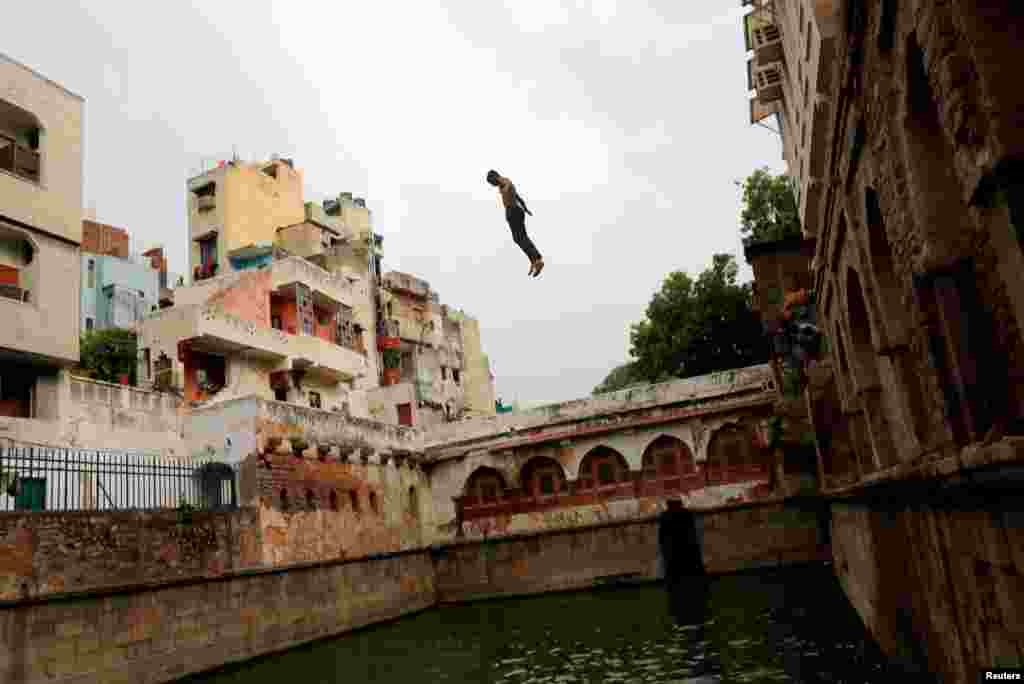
(770, 211)
(108, 354)
(694, 327)
(621, 377)
(392, 358)
(185, 512)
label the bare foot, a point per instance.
(538, 266)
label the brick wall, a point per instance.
(100, 238)
(938, 587)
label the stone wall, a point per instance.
(730, 540)
(939, 587)
(771, 535)
(151, 636)
(540, 563)
(323, 510)
(148, 597)
(43, 554)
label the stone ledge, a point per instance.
(951, 471)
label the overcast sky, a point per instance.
(623, 124)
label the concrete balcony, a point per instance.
(406, 284)
(291, 270)
(329, 362)
(207, 329)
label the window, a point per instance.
(207, 252)
(91, 283)
(307, 325)
(314, 400)
(353, 500)
(404, 414)
(284, 499)
(605, 473)
(455, 375)
(489, 491)
(275, 322)
(280, 394)
(373, 502)
(444, 373)
(547, 484)
(146, 364)
(310, 500)
(88, 325)
(19, 143)
(959, 329)
(334, 501)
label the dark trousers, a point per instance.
(517, 222)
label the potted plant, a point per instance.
(392, 366)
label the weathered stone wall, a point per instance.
(42, 554)
(946, 579)
(322, 510)
(539, 563)
(152, 636)
(762, 536)
(575, 557)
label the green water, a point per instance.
(792, 625)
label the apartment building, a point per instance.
(118, 289)
(793, 46)
(41, 128)
(434, 365)
(287, 304)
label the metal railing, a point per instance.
(42, 478)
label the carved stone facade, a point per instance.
(919, 282)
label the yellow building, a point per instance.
(237, 208)
(40, 237)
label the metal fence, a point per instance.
(41, 478)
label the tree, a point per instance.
(108, 354)
(698, 327)
(621, 377)
(769, 208)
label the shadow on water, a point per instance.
(792, 625)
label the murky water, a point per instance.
(791, 625)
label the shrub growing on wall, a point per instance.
(108, 354)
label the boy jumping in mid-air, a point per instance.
(515, 213)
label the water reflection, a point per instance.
(788, 626)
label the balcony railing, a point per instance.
(204, 272)
(578, 494)
(19, 160)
